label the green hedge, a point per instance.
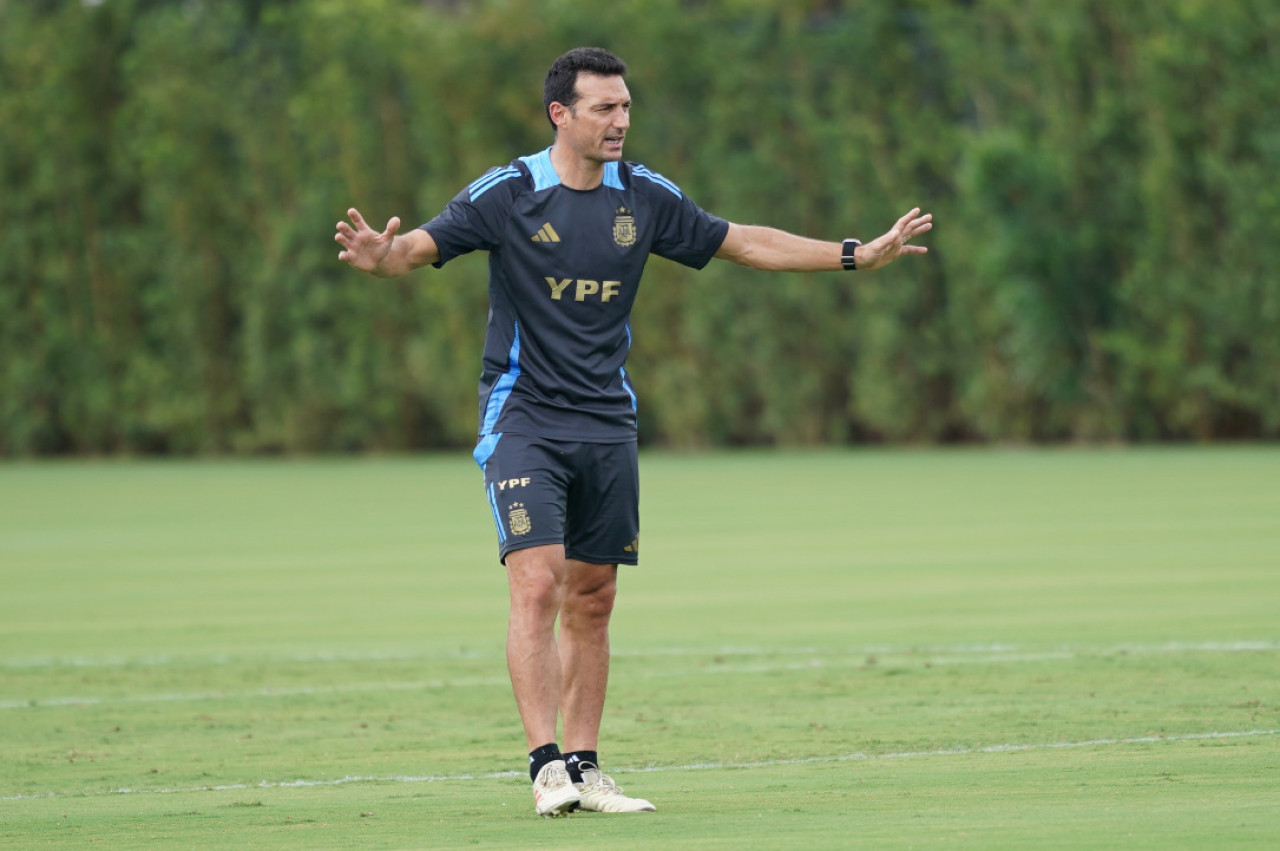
(1103, 177)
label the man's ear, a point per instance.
(559, 113)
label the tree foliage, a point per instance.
(1102, 176)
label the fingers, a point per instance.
(913, 224)
(905, 222)
(919, 228)
(346, 233)
(909, 227)
(363, 247)
(913, 220)
(348, 237)
(894, 243)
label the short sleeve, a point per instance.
(685, 232)
(474, 220)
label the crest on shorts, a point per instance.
(624, 228)
(519, 519)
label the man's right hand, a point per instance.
(363, 247)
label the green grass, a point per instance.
(881, 649)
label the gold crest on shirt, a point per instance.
(624, 228)
(519, 517)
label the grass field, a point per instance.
(881, 649)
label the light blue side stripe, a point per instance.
(626, 385)
(658, 179)
(485, 448)
(612, 176)
(488, 443)
(502, 388)
(490, 180)
(497, 518)
(544, 173)
(626, 382)
(484, 451)
(492, 410)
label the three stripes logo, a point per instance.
(546, 234)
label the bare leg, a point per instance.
(584, 651)
(537, 581)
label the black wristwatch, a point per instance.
(847, 257)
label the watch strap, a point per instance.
(848, 259)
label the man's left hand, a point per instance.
(883, 250)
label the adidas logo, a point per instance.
(546, 234)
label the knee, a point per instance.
(591, 603)
(540, 593)
(536, 587)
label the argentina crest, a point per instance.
(519, 518)
(624, 228)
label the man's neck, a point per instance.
(574, 171)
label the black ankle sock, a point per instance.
(541, 756)
(576, 759)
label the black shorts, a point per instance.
(583, 495)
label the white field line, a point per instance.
(300, 691)
(812, 659)
(993, 650)
(697, 766)
(720, 669)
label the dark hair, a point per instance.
(562, 78)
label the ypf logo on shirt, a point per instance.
(604, 290)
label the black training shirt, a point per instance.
(564, 268)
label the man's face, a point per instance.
(597, 125)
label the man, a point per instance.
(568, 231)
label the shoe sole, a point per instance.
(650, 809)
(561, 809)
(561, 812)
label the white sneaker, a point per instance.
(601, 795)
(553, 794)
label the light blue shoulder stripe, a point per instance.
(544, 173)
(658, 179)
(613, 176)
(492, 179)
(545, 177)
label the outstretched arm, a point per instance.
(384, 254)
(779, 251)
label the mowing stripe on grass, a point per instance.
(303, 691)
(814, 661)
(698, 766)
(992, 650)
